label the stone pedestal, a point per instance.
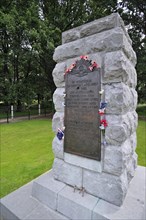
(107, 43)
(47, 199)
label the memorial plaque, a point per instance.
(82, 102)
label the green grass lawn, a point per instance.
(26, 152)
(141, 143)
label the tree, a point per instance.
(26, 46)
(134, 14)
(66, 14)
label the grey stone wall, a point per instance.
(106, 42)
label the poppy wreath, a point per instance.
(91, 67)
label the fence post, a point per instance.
(12, 111)
(39, 109)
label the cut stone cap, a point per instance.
(96, 26)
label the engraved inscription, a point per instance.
(82, 101)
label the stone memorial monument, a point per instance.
(100, 161)
(95, 128)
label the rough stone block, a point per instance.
(70, 35)
(132, 119)
(58, 121)
(59, 100)
(100, 25)
(113, 160)
(97, 57)
(134, 205)
(129, 51)
(67, 173)
(117, 157)
(134, 98)
(57, 146)
(120, 127)
(106, 41)
(131, 166)
(58, 74)
(108, 187)
(117, 68)
(74, 206)
(59, 70)
(94, 27)
(120, 98)
(46, 189)
(133, 139)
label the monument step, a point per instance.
(21, 205)
(63, 198)
(46, 189)
(46, 198)
(73, 205)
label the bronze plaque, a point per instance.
(82, 101)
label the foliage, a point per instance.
(26, 48)
(26, 152)
(67, 14)
(141, 110)
(134, 15)
(31, 30)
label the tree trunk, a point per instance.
(19, 106)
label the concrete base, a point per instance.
(46, 198)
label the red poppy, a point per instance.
(103, 122)
(90, 68)
(67, 71)
(94, 64)
(84, 57)
(72, 66)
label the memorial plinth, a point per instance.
(102, 162)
